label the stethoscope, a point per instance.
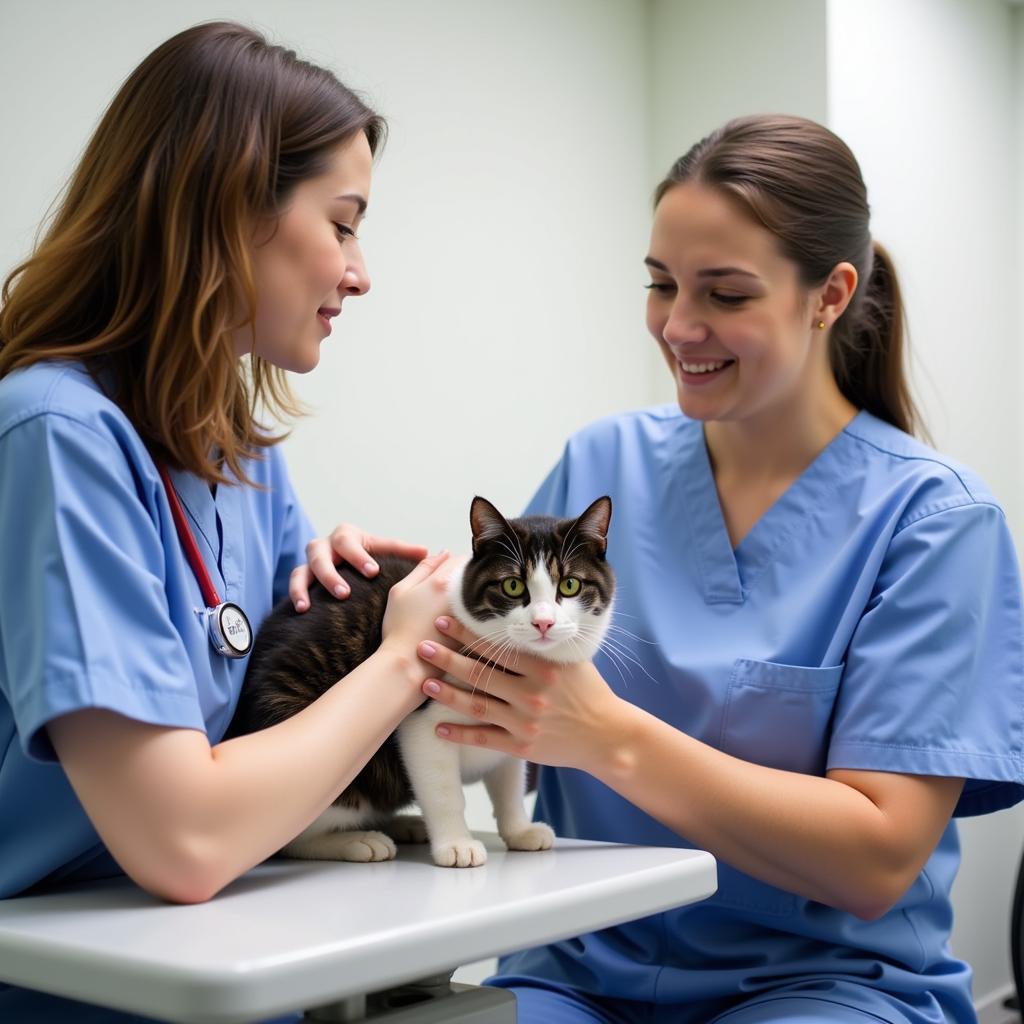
(226, 624)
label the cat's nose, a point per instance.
(543, 625)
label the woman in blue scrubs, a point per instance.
(204, 243)
(819, 656)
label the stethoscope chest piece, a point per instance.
(226, 624)
(229, 629)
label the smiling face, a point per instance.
(734, 324)
(307, 261)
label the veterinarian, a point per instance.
(818, 661)
(204, 244)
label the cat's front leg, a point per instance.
(506, 786)
(433, 769)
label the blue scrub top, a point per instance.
(100, 606)
(871, 619)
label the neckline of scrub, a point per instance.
(727, 573)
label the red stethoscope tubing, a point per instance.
(227, 627)
(188, 542)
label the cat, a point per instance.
(535, 584)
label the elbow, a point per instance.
(182, 876)
(877, 896)
(182, 889)
(869, 910)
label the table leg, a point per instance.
(433, 1000)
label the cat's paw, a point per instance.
(459, 853)
(362, 847)
(408, 828)
(535, 836)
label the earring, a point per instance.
(821, 325)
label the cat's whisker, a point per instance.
(608, 645)
(518, 543)
(613, 656)
(619, 666)
(483, 639)
(495, 651)
(576, 545)
(612, 628)
(565, 540)
(495, 661)
(489, 655)
(485, 655)
(515, 556)
(489, 660)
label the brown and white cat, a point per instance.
(534, 584)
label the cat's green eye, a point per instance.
(512, 586)
(569, 587)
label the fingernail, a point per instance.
(428, 650)
(370, 567)
(340, 590)
(300, 606)
(442, 623)
(443, 730)
(432, 686)
(443, 551)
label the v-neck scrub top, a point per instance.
(100, 606)
(871, 619)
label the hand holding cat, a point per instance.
(560, 715)
(415, 602)
(345, 543)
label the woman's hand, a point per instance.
(415, 602)
(346, 543)
(560, 715)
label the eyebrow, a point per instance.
(354, 197)
(707, 272)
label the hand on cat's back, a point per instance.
(345, 543)
(547, 713)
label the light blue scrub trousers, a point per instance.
(837, 1002)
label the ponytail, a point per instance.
(868, 343)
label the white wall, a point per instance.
(923, 91)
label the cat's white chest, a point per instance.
(419, 729)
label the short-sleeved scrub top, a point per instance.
(101, 608)
(870, 620)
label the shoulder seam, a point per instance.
(932, 510)
(919, 458)
(36, 413)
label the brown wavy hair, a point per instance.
(144, 274)
(802, 183)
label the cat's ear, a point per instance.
(486, 522)
(593, 523)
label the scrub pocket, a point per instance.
(778, 715)
(775, 715)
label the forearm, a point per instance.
(184, 819)
(269, 785)
(814, 836)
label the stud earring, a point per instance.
(821, 325)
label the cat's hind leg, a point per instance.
(408, 828)
(340, 833)
(360, 846)
(506, 786)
